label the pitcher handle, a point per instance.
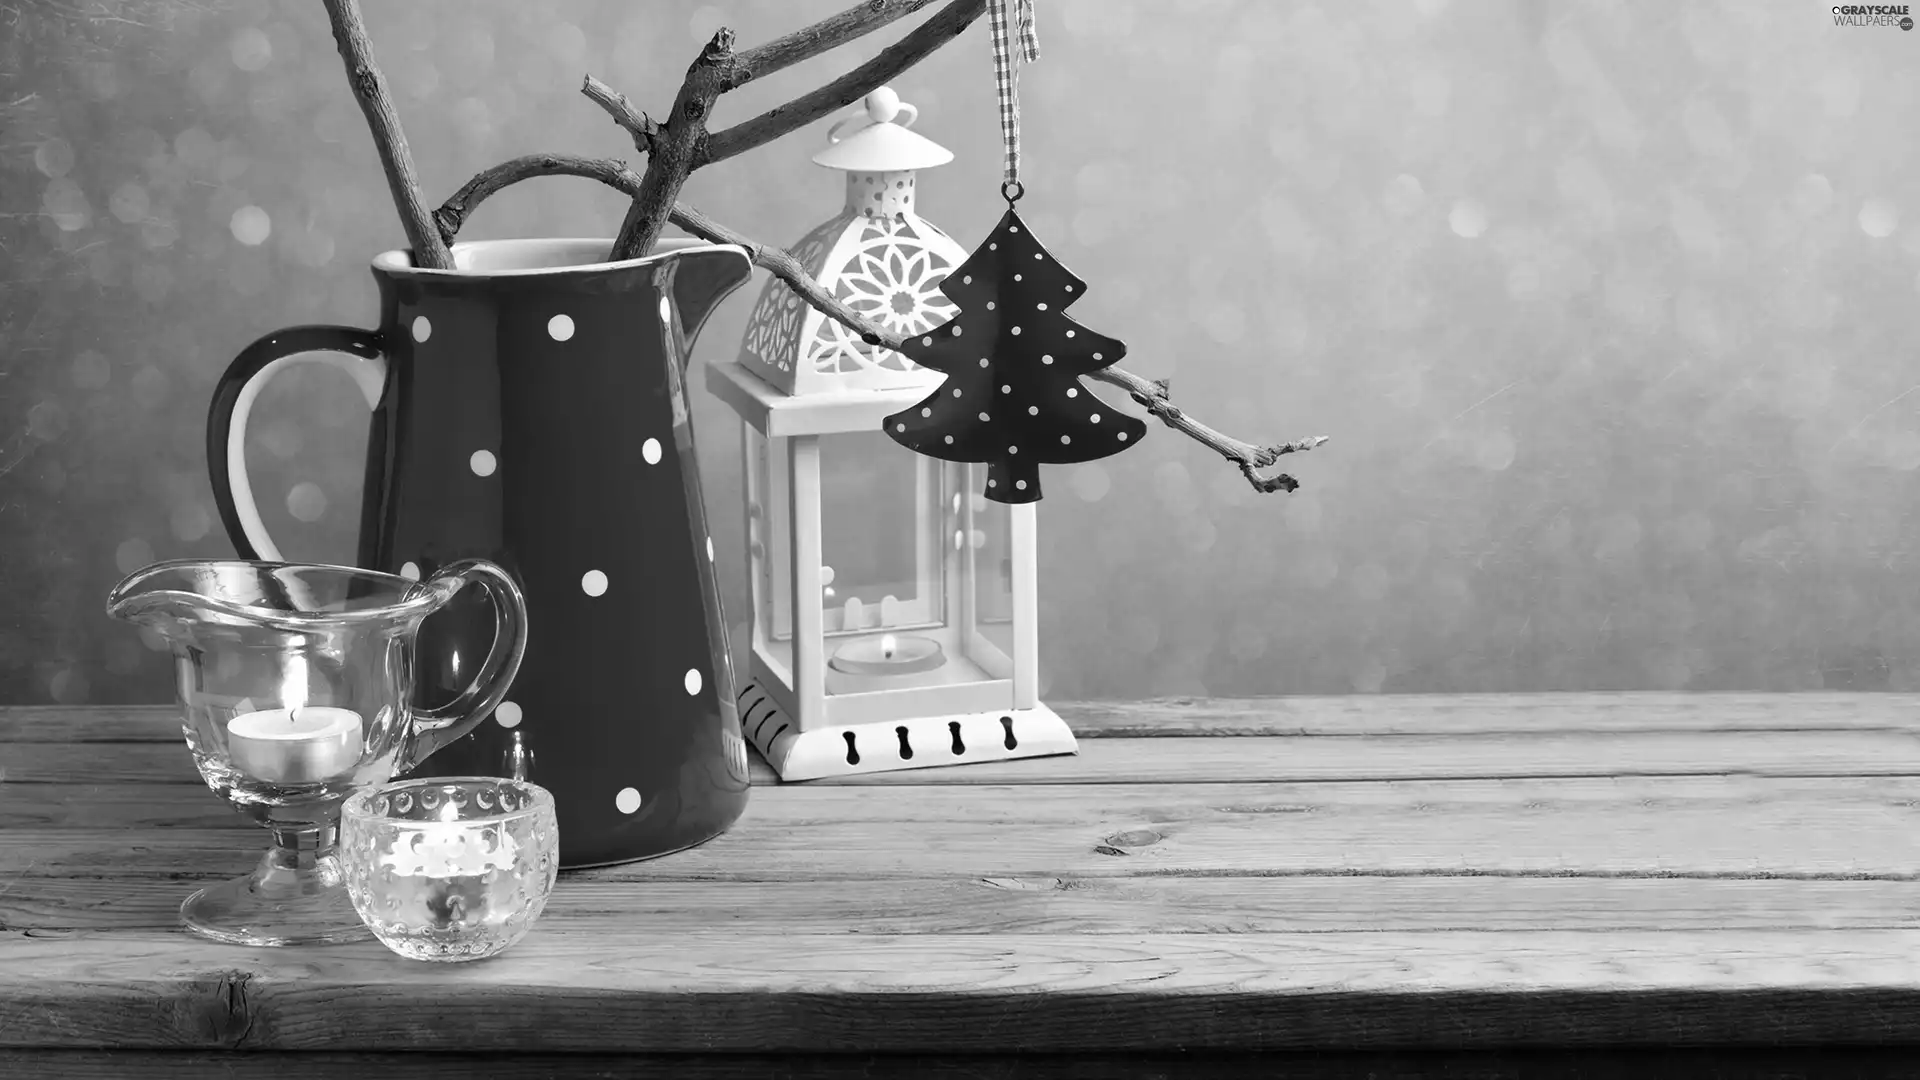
(436, 727)
(357, 352)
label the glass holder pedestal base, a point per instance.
(297, 895)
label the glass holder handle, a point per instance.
(433, 728)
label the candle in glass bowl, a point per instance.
(306, 744)
(888, 662)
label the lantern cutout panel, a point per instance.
(877, 255)
(894, 609)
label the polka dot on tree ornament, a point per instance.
(1021, 484)
(650, 451)
(956, 391)
(560, 327)
(1040, 307)
(507, 715)
(1066, 440)
(983, 363)
(1069, 333)
(1046, 358)
(1095, 418)
(694, 682)
(594, 583)
(1015, 331)
(410, 571)
(1006, 388)
(1122, 436)
(422, 328)
(483, 463)
(1073, 391)
(900, 427)
(628, 801)
(926, 412)
(984, 418)
(1033, 410)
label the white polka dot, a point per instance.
(1123, 436)
(422, 329)
(1013, 449)
(650, 450)
(1046, 358)
(1040, 307)
(989, 305)
(693, 682)
(983, 361)
(593, 582)
(956, 331)
(1021, 484)
(1066, 440)
(1013, 228)
(899, 427)
(1006, 389)
(1072, 392)
(1069, 333)
(482, 462)
(560, 327)
(956, 391)
(926, 412)
(410, 571)
(1016, 331)
(993, 483)
(1096, 356)
(1094, 418)
(1033, 410)
(984, 417)
(1037, 256)
(507, 715)
(967, 280)
(1069, 289)
(993, 247)
(949, 438)
(1016, 277)
(627, 801)
(709, 549)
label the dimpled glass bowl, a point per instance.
(450, 868)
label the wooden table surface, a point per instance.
(1377, 873)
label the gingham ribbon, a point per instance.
(1006, 77)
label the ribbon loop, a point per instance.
(1010, 22)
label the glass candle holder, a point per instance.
(450, 868)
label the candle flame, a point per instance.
(293, 683)
(888, 645)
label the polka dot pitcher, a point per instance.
(529, 407)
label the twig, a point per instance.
(637, 123)
(810, 41)
(454, 212)
(370, 89)
(672, 156)
(944, 26)
(1152, 396)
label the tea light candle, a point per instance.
(451, 849)
(888, 662)
(301, 745)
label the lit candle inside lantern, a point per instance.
(300, 745)
(888, 662)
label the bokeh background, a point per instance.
(1608, 307)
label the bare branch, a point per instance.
(810, 41)
(637, 123)
(1152, 396)
(370, 89)
(454, 212)
(674, 148)
(945, 25)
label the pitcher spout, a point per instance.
(701, 278)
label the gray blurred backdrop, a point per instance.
(1608, 307)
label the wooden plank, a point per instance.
(721, 990)
(1223, 760)
(594, 903)
(1591, 1063)
(1739, 826)
(1360, 714)
(1493, 714)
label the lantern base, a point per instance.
(890, 746)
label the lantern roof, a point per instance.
(880, 140)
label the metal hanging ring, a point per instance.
(1011, 190)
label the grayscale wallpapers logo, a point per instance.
(1873, 15)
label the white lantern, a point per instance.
(894, 621)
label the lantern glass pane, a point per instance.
(878, 536)
(982, 537)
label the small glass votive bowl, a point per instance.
(450, 868)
